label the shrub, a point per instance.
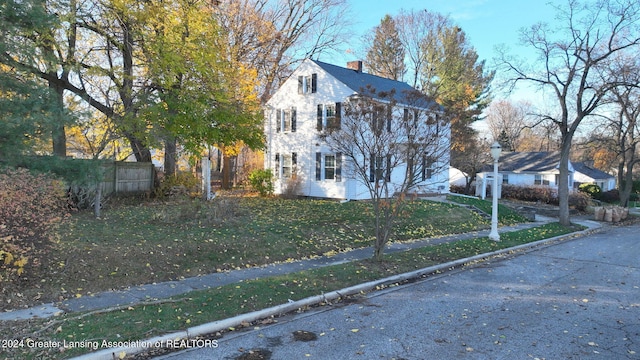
(291, 189)
(610, 196)
(30, 207)
(579, 200)
(262, 181)
(592, 190)
(458, 189)
(543, 194)
(180, 184)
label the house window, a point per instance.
(380, 168)
(505, 178)
(410, 118)
(285, 165)
(427, 167)
(381, 118)
(307, 84)
(540, 180)
(286, 120)
(329, 166)
(329, 116)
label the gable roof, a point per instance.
(357, 81)
(591, 171)
(527, 162)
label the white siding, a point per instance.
(305, 141)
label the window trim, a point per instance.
(281, 162)
(307, 84)
(321, 167)
(324, 122)
(286, 120)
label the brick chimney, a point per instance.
(355, 65)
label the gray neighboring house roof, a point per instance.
(358, 81)
(591, 171)
(527, 162)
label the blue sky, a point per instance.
(487, 23)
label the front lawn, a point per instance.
(158, 241)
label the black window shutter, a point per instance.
(319, 123)
(300, 81)
(389, 119)
(294, 162)
(318, 166)
(293, 119)
(314, 83)
(372, 168)
(387, 171)
(338, 167)
(406, 116)
(338, 115)
(277, 165)
(278, 120)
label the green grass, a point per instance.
(147, 320)
(154, 241)
(506, 216)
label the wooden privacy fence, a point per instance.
(127, 177)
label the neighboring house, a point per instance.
(457, 177)
(586, 174)
(298, 115)
(525, 169)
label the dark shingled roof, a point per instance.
(527, 162)
(591, 171)
(357, 81)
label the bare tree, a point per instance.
(418, 30)
(620, 134)
(507, 121)
(588, 40)
(390, 148)
(272, 35)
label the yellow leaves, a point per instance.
(7, 256)
(8, 259)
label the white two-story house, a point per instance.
(297, 117)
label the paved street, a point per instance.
(579, 299)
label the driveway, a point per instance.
(578, 299)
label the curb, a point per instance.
(140, 346)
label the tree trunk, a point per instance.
(170, 150)
(563, 183)
(58, 136)
(140, 150)
(226, 172)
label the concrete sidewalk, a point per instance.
(572, 299)
(163, 290)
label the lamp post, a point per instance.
(496, 149)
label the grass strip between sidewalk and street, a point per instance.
(146, 320)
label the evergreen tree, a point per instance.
(385, 56)
(29, 111)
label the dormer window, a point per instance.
(307, 84)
